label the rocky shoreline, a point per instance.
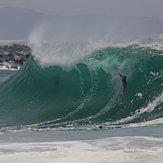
(13, 56)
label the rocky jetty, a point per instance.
(13, 56)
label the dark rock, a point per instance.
(16, 55)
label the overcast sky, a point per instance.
(151, 8)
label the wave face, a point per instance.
(63, 88)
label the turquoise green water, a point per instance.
(88, 94)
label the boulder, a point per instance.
(14, 55)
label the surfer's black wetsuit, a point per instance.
(124, 82)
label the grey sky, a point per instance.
(151, 8)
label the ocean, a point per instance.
(66, 104)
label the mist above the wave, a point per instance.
(85, 28)
(66, 55)
(65, 41)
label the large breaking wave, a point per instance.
(77, 87)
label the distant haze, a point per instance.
(138, 8)
(23, 24)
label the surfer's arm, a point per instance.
(120, 75)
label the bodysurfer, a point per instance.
(124, 82)
(56, 79)
(100, 127)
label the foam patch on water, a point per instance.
(120, 156)
(96, 145)
(104, 146)
(114, 150)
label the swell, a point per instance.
(87, 94)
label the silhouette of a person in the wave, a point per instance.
(124, 82)
(100, 127)
(56, 79)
